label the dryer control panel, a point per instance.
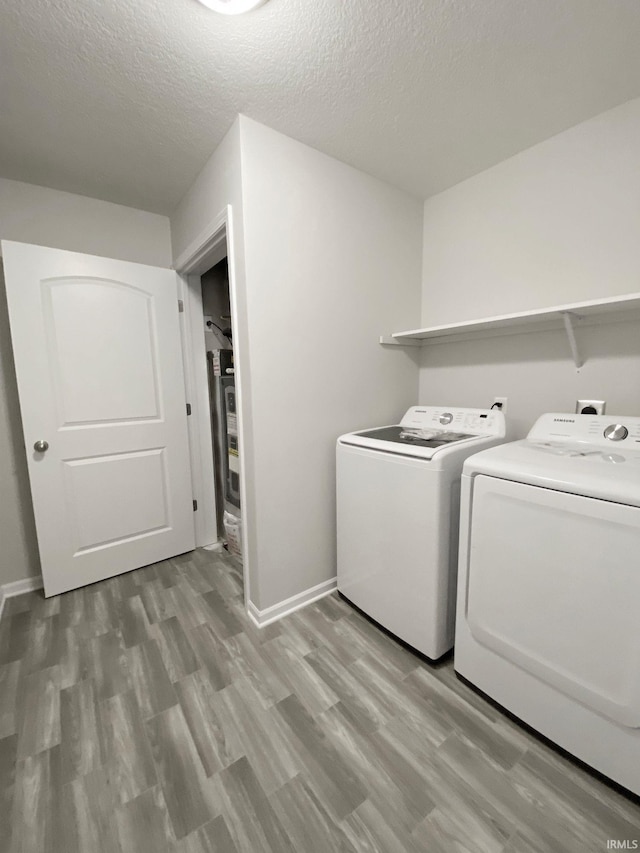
(590, 429)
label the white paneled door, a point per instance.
(99, 366)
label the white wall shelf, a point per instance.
(609, 310)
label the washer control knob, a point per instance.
(446, 418)
(616, 432)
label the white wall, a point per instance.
(555, 224)
(47, 217)
(217, 185)
(31, 214)
(325, 260)
(333, 260)
(536, 373)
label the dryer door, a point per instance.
(554, 586)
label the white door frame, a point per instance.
(211, 246)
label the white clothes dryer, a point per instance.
(397, 518)
(548, 605)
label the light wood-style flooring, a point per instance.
(147, 713)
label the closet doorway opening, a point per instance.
(213, 384)
(218, 335)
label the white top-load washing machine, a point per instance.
(548, 612)
(397, 517)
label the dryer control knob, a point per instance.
(446, 418)
(616, 432)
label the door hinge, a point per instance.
(188, 408)
(195, 506)
(180, 306)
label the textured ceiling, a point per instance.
(125, 100)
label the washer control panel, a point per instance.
(470, 421)
(590, 429)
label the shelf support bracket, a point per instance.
(567, 318)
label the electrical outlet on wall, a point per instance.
(591, 407)
(501, 404)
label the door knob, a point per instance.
(41, 446)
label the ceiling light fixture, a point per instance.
(232, 7)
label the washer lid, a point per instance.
(388, 440)
(414, 437)
(610, 473)
(425, 430)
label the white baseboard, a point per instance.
(259, 617)
(289, 605)
(9, 590)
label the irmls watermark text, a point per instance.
(615, 844)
